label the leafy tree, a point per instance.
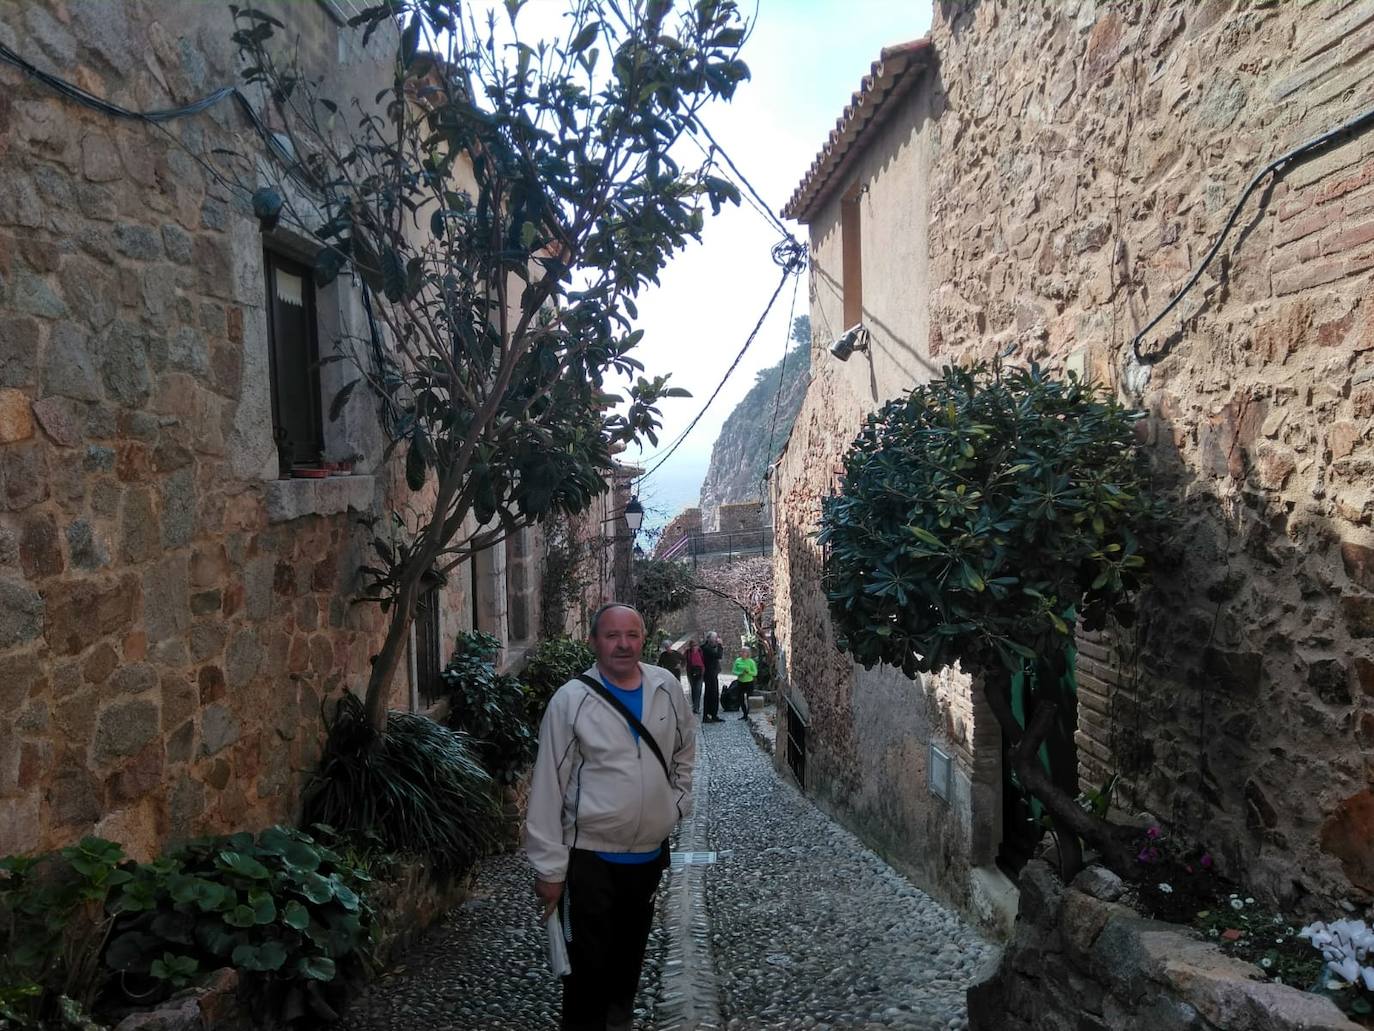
(503, 204)
(748, 585)
(979, 518)
(661, 587)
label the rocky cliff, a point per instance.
(749, 440)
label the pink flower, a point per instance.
(1152, 833)
(1206, 860)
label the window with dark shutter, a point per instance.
(294, 352)
(428, 661)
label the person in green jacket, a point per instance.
(746, 669)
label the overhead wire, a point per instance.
(790, 256)
(788, 253)
(777, 222)
(782, 378)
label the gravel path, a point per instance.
(809, 928)
(806, 927)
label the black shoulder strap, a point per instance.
(644, 734)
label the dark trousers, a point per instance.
(744, 698)
(608, 908)
(712, 703)
(694, 677)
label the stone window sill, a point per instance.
(292, 499)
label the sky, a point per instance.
(807, 57)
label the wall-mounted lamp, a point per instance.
(855, 338)
(634, 515)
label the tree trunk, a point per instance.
(1113, 842)
(386, 660)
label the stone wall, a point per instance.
(1080, 959)
(170, 616)
(708, 612)
(686, 522)
(740, 515)
(1113, 139)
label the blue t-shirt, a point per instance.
(634, 701)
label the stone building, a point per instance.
(172, 613)
(684, 524)
(1046, 184)
(914, 767)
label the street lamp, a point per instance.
(634, 515)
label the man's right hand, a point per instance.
(549, 893)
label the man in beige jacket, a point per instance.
(603, 801)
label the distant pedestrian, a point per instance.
(712, 652)
(696, 671)
(746, 669)
(670, 659)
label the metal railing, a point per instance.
(729, 544)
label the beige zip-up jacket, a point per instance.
(595, 787)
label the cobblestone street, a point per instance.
(797, 925)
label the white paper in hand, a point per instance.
(558, 948)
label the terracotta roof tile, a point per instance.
(897, 69)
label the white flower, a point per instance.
(1237, 903)
(1213, 932)
(1367, 975)
(1347, 969)
(1266, 962)
(1249, 902)
(1167, 889)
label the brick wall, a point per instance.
(1115, 138)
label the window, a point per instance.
(851, 248)
(428, 658)
(294, 353)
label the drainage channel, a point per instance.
(688, 996)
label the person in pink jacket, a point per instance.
(613, 776)
(696, 672)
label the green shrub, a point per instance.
(53, 926)
(283, 909)
(551, 665)
(491, 707)
(418, 789)
(980, 517)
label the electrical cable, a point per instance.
(753, 204)
(782, 377)
(1301, 152)
(158, 116)
(790, 256)
(777, 222)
